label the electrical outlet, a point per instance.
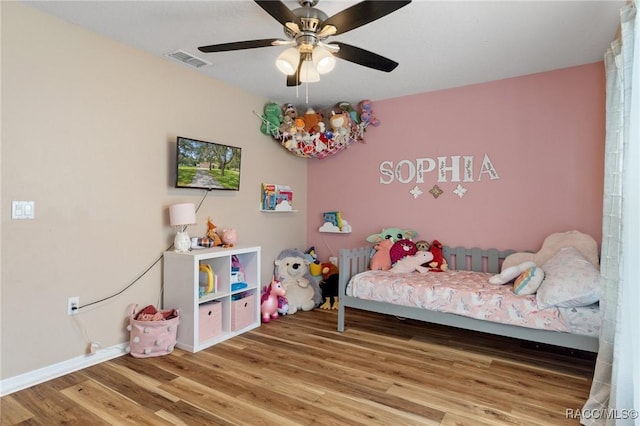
(73, 305)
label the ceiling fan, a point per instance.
(306, 29)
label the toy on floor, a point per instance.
(269, 300)
(315, 268)
(292, 270)
(329, 286)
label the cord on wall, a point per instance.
(143, 273)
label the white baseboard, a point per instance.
(23, 381)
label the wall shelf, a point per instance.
(330, 228)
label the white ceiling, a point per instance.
(438, 44)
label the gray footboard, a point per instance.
(353, 261)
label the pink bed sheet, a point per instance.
(459, 292)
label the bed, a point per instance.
(492, 309)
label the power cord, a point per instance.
(143, 273)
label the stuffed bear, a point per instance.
(439, 263)
(413, 263)
(329, 286)
(402, 248)
(312, 120)
(292, 270)
(381, 260)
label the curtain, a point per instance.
(615, 391)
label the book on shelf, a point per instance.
(276, 197)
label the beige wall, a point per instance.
(88, 133)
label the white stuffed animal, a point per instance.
(511, 273)
(292, 270)
(413, 263)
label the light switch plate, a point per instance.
(22, 210)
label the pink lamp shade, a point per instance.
(182, 214)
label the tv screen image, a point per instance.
(207, 165)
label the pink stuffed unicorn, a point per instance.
(269, 300)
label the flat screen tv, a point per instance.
(207, 165)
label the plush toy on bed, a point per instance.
(439, 263)
(413, 263)
(394, 234)
(422, 245)
(401, 249)
(292, 270)
(381, 260)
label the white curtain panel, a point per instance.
(615, 392)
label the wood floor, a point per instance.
(298, 370)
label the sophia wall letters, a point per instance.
(455, 168)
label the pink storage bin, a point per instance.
(243, 312)
(152, 338)
(210, 320)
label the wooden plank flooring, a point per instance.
(298, 370)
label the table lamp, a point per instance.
(181, 215)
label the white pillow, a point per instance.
(510, 273)
(528, 281)
(570, 281)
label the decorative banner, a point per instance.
(317, 134)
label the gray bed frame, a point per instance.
(353, 261)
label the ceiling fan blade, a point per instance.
(364, 57)
(278, 11)
(362, 13)
(294, 79)
(239, 45)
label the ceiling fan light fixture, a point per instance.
(288, 60)
(309, 73)
(323, 59)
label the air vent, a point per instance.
(186, 58)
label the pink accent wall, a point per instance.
(543, 134)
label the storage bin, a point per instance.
(243, 312)
(210, 320)
(152, 338)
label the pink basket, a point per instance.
(152, 338)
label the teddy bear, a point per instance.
(329, 286)
(312, 120)
(381, 259)
(292, 270)
(402, 248)
(439, 263)
(413, 263)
